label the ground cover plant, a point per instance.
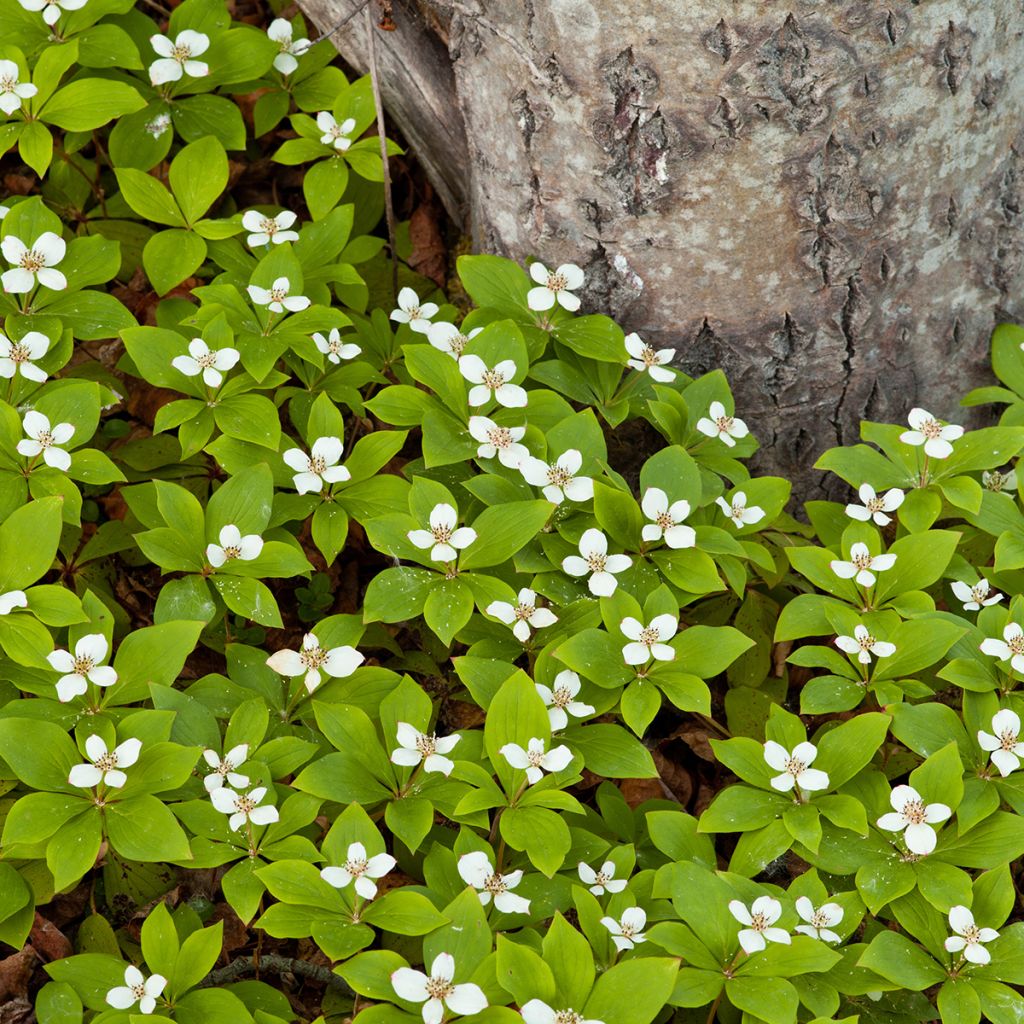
(370, 655)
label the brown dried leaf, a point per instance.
(48, 940)
(15, 973)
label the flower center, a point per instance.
(224, 767)
(232, 551)
(18, 354)
(284, 45)
(597, 562)
(312, 657)
(356, 868)
(32, 261)
(665, 521)
(819, 919)
(759, 922)
(561, 697)
(649, 636)
(794, 767)
(862, 561)
(181, 53)
(492, 379)
(914, 812)
(439, 988)
(455, 345)
(501, 437)
(138, 991)
(7, 84)
(278, 294)
(995, 481)
(1016, 644)
(442, 534)
(1008, 740)
(979, 593)
(875, 505)
(317, 464)
(82, 665)
(628, 930)
(557, 283)
(971, 935)
(106, 762)
(425, 744)
(334, 345)
(207, 360)
(534, 757)
(335, 132)
(495, 884)
(414, 312)
(568, 1017)
(559, 476)
(649, 357)
(724, 424)
(865, 643)
(269, 224)
(601, 878)
(931, 429)
(523, 612)
(736, 512)
(245, 804)
(158, 125)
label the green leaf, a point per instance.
(89, 103)
(198, 175)
(634, 990)
(171, 256)
(901, 961)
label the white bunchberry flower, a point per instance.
(337, 662)
(488, 383)
(233, 546)
(875, 506)
(177, 57)
(137, 988)
(534, 760)
(1010, 647)
(795, 767)
(537, 1012)
(105, 765)
(333, 134)
(44, 439)
(51, 9)
(501, 441)
(974, 597)
(277, 298)
(12, 92)
(718, 423)
(648, 642)
(820, 921)
(914, 818)
(438, 990)
(444, 538)
(999, 483)
(264, 229)
(450, 339)
(476, 870)
(334, 347)
(644, 357)
(601, 881)
(522, 615)
(319, 467)
(629, 929)
(863, 644)
(289, 49)
(759, 919)
(969, 937)
(1003, 743)
(594, 559)
(244, 807)
(17, 356)
(212, 363)
(224, 768)
(862, 565)
(159, 126)
(11, 600)
(359, 868)
(928, 431)
(559, 479)
(666, 520)
(33, 263)
(554, 286)
(83, 667)
(738, 512)
(560, 699)
(415, 747)
(413, 312)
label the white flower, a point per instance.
(52, 8)
(648, 642)
(4, 210)
(83, 667)
(559, 479)
(44, 439)
(760, 918)
(1005, 747)
(443, 538)
(718, 423)
(560, 699)
(487, 383)
(522, 615)
(413, 312)
(862, 565)
(795, 767)
(438, 990)
(999, 483)
(334, 134)
(33, 263)
(11, 600)
(476, 870)
(319, 467)
(17, 356)
(233, 546)
(1011, 646)
(363, 870)
(448, 338)
(914, 818)
(554, 286)
(875, 507)
(12, 92)
(276, 297)
(500, 441)
(105, 764)
(158, 126)
(534, 760)
(819, 921)
(976, 597)
(415, 746)
(265, 229)
(594, 559)
(280, 31)
(629, 929)
(212, 363)
(337, 662)
(224, 768)
(177, 58)
(737, 510)
(863, 644)
(650, 359)
(137, 988)
(334, 347)
(928, 431)
(537, 1012)
(666, 520)
(601, 881)
(969, 937)
(243, 808)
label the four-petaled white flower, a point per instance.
(444, 538)
(820, 920)
(17, 356)
(795, 767)
(862, 565)
(277, 298)
(438, 990)
(334, 347)
(559, 480)
(875, 506)
(594, 559)
(225, 768)
(969, 937)
(429, 748)
(333, 134)
(629, 929)
(1010, 647)
(319, 467)
(44, 439)
(413, 312)
(914, 818)
(554, 286)
(650, 359)
(137, 988)
(534, 760)
(737, 510)
(289, 49)
(601, 881)
(105, 765)
(177, 57)
(83, 667)
(212, 363)
(522, 615)
(496, 383)
(450, 339)
(12, 92)
(264, 229)
(11, 600)
(338, 662)
(759, 919)
(33, 263)
(1003, 743)
(666, 520)
(364, 871)
(233, 546)
(537, 1012)
(863, 644)
(51, 9)
(560, 699)
(975, 597)
(476, 870)
(999, 483)
(648, 642)
(501, 441)
(244, 807)
(718, 423)
(928, 431)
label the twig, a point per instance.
(271, 963)
(341, 24)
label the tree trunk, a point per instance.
(821, 198)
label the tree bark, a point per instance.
(824, 199)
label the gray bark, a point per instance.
(821, 197)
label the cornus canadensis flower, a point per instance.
(647, 358)
(319, 467)
(415, 747)
(277, 298)
(999, 483)
(450, 339)
(875, 506)
(666, 520)
(17, 356)
(1010, 647)
(224, 768)
(629, 929)
(52, 9)
(83, 667)
(969, 937)
(137, 988)
(11, 600)
(795, 767)
(413, 312)
(862, 565)
(476, 870)
(177, 57)
(554, 286)
(974, 597)
(594, 559)
(244, 807)
(601, 881)
(444, 538)
(914, 818)
(280, 32)
(648, 642)
(333, 134)
(820, 921)
(12, 92)
(863, 644)
(360, 869)
(560, 699)
(488, 383)
(264, 229)
(537, 1012)
(928, 431)
(522, 615)
(105, 765)
(559, 479)
(534, 760)
(233, 546)
(1003, 743)
(334, 347)
(738, 512)
(500, 441)
(35, 263)
(212, 363)
(438, 990)
(337, 662)
(718, 423)
(44, 439)
(759, 919)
